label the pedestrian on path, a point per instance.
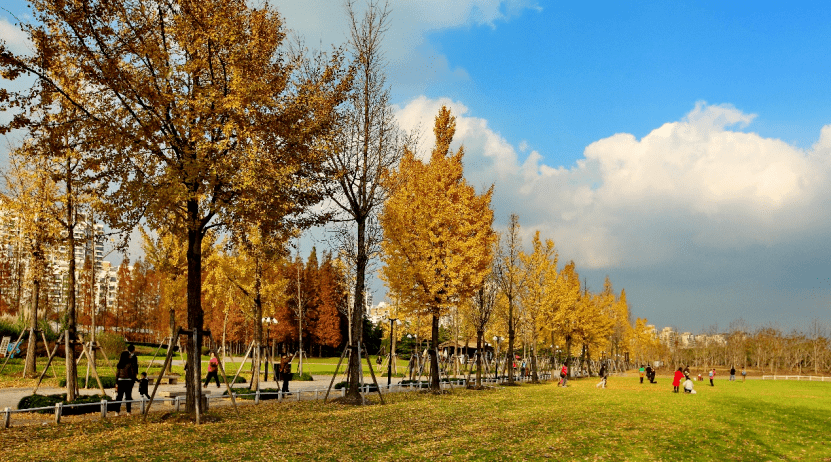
(733, 373)
(126, 371)
(642, 372)
(712, 376)
(744, 374)
(213, 369)
(285, 371)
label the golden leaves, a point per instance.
(437, 230)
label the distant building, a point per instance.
(380, 313)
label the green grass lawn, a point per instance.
(11, 376)
(756, 420)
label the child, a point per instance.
(143, 383)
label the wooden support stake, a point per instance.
(49, 361)
(90, 362)
(161, 374)
(372, 373)
(336, 373)
(156, 353)
(242, 364)
(16, 345)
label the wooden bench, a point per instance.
(170, 379)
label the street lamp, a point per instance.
(498, 340)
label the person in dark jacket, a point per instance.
(126, 371)
(285, 371)
(144, 384)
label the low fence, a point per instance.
(808, 378)
(59, 410)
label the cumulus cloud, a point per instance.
(414, 62)
(695, 185)
(15, 39)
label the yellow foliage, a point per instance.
(437, 230)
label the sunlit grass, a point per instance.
(756, 420)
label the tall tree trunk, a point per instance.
(258, 323)
(535, 378)
(299, 323)
(31, 350)
(195, 314)
(511, 335)
(72, 334)
(354, 394)
(434, 357)
(479, 335)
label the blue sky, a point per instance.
(677, 147)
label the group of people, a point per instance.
(127, 375)
(647, 371)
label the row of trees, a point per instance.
(199, 120)
(767, 349)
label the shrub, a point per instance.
(265, 393)
(306, 377)
(10, 327)
(106, 380)
(112, 343)
(35, 401)
(344, 384)
(416, 383)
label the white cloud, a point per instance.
(694, 184)
(15, 39)
(413, 61)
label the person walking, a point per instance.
(642, 372)
(126, 376)
(602, 383)
(744, 374)
(712, 376)
(213, 368)
(564, 374)
(285, 371)
(733, 373)
(676, 380)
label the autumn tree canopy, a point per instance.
(194, 109)
(438, 233)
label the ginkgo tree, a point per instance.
(438, 233)
(192, 109)
(540, 286)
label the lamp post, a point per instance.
(498, 340)
(392, 352)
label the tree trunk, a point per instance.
(535, 378)
(479, 335)
(353, 394)
(173, 340)
(258, 323)
(510, 355)
(434, 357)
(194, 301)
(31, 350)
(72, 334)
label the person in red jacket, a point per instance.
(564, 375)
(213, 368)
(676, 380)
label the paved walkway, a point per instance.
(9, 397)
